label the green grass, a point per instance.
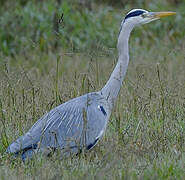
(145, 138)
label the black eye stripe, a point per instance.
(135, 13)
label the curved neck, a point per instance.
(111, 89)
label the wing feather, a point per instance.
(64, 126)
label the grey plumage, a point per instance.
(65, 127)
(80, 123)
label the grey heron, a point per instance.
(80, 123)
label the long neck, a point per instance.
(111, 89)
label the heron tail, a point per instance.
(21, 148)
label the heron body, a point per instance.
(76, 124)
(80, 123)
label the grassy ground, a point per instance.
(145, 138)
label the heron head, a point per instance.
(141, 16)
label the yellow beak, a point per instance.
(163, 14)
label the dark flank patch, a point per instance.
(135, 13)
(33, 146)
(103, 110)
(92, 144)
(26, 152)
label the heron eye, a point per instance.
(143, 15)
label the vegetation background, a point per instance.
(54, 50)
